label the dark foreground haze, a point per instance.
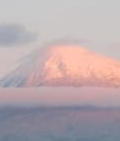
(59, 124)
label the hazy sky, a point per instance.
(94, 22)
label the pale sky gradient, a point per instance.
(81, 18)
(96, 20)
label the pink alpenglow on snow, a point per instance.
(65, 65)
(76, 66)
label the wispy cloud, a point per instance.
(15, 34)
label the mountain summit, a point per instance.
(65, 65)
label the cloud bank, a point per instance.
(14, 34)
(65, 65)
(53, 124)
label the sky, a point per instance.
(26, 25)
(94, 20)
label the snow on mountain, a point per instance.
(64, 65)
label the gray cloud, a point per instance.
(13, 34)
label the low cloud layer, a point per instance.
(13, 34)
(63, 124)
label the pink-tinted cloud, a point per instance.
(61, 96)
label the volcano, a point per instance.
(64, 65)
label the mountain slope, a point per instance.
(65, 65)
